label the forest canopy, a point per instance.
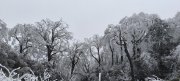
(140, 46)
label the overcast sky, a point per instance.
(85, 17)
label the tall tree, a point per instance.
(22, 34)
(95, 48)
(161, 44)
(52, 35)
(136, 28)
(121, 40)
(160, 37)
(110, 44)
(75, 51)
(163, 38)
(95, 45)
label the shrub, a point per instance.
(7, 75)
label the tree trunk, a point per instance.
(130, 61)
(121, 41)
(49, 56)
(112, 57)
(134, 50)
(99, 76)
(112, 53)
(49, 51)
(117, 59)
(99, 57)
(121, 58)
(72, 69)
(21, 48)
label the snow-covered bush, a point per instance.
(7, 75)
(13, 76)
(145, 66)
(148, 61)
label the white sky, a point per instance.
(85, 17)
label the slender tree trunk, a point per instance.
(120, 38)
(99, 68)
(134, 50)
(99, 57)
(122, 58)
(72, 69)
(112, 59)
(112, 53)
(100, 76)
(21, 48)
(130, 61)
(49, 56)
(117, 59)
(112, 56)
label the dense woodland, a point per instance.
(140, 46)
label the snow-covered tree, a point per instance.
(22, 37)
(75, 52)
(52, 36)
(3, 31)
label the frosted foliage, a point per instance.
(137, 23)
(13, 76)
(21, 33)
(52, 34)
(153, 78)
(177, 53)
(113, 31)
(148, 61)
(3, 31)
(47, 29)
(138, 20)
(176, 19)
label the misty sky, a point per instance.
(85, 17)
